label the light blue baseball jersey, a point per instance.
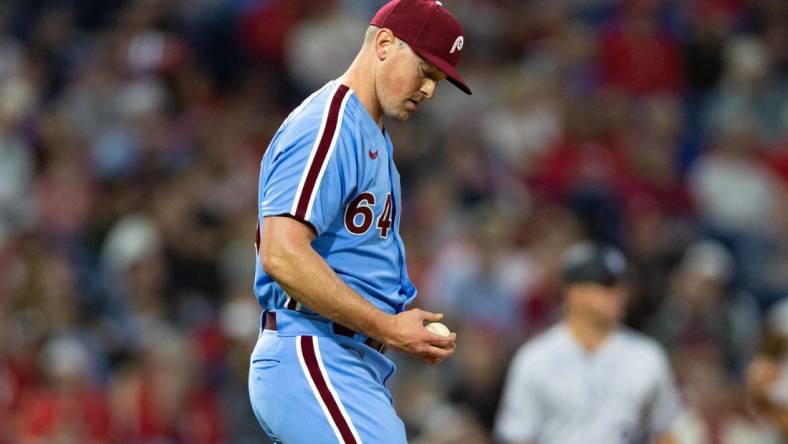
(332, 166)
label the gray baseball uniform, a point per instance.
(557, 392)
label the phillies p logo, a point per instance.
(457, 46)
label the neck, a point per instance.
(591, 335)
(360, 77)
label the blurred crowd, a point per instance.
(131, 134)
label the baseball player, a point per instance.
(331, 276)
(586, 380)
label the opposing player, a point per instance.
(586, 380)
(331, 276)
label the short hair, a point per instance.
(372, 30)
(370, 34)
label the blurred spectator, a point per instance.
(429, 416)
(703, 308)
(586, 170)
(715, 406)
(637, 55)
(477, 373)
(16, 162)
(527, 119)
(69, 407)
(312, 58)
(711, 21)
(480, 278)
(550, 231)
(655, 241)
(136, 273)
(159, 397)
(736, 197)
(748, 90)
(767, 374)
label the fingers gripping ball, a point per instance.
(438, 328)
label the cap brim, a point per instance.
(451, 72)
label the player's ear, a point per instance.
(384, 43)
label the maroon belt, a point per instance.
(270, 324)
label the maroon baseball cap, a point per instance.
(430, 30)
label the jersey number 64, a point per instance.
(359, 215)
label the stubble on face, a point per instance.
(399, 89)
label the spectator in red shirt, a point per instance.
(636, 56)
(69, 408)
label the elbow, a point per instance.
(283, 246)
(273, 260)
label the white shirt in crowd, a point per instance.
(557, 392)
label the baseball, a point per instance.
(438, 328)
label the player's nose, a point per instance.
(428, 88)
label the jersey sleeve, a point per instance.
(519, 416)
(310, 174)
(666, 404)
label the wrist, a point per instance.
(380, 325)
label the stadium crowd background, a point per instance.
(131, 134)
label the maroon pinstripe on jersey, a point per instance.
(325, 139)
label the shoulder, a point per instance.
(642, 348)
(539, 350)
(326, 108)
(328, 114)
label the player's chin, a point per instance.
(406, 112)
(401, 115)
